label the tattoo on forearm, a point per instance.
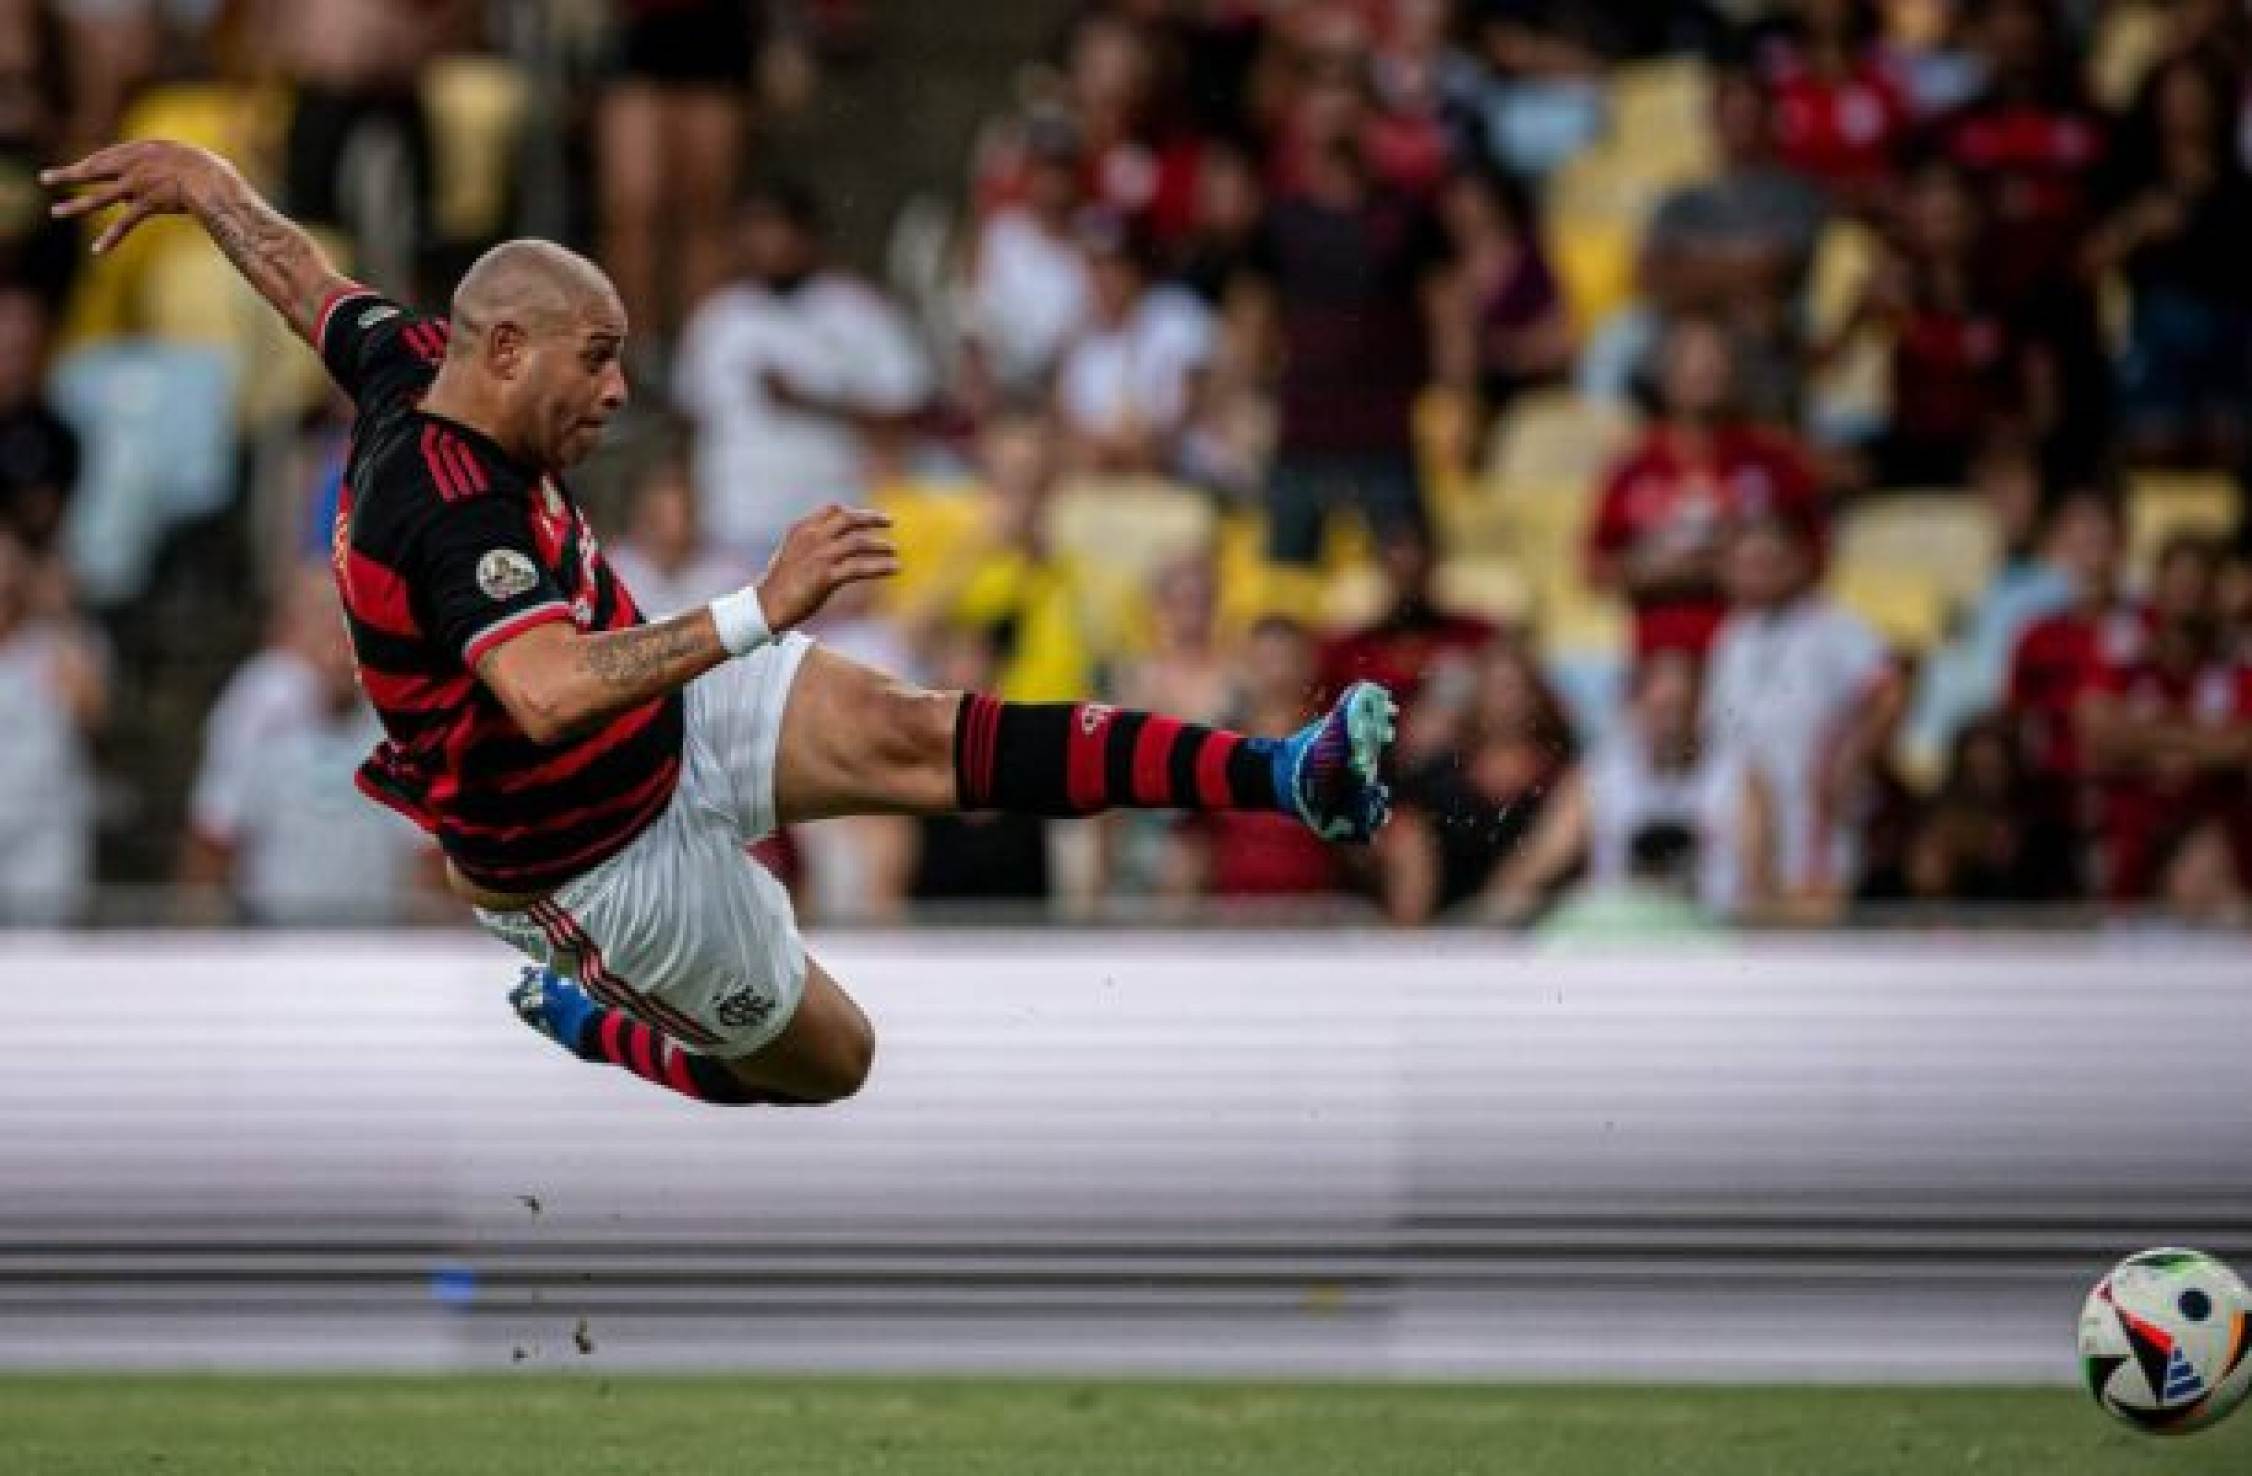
(633, 658)
(276, 257)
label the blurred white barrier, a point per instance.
(1330, 1153)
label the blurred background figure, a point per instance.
(800, 379)
(663, 557)
(39, 452)
(54, 687)
(1130, 381)
(277, 826)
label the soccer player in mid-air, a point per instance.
(594, 779)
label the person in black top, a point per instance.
(593, 779)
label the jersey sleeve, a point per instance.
(480, 577)
(372, 346)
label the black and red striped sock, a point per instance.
(1074, 758)
(616, 1037)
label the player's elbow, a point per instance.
(543, 711)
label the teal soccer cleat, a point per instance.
(1327, 772)
(554, 1006)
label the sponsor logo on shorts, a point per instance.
(504, 574)
(744, 1009)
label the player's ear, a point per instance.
(505, 346)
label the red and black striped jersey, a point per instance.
(443, 549)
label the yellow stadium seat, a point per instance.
(1594, 262)
(1132, 526)
(476, 107)
(1944, 539)
(1655, 104)
(1573, 622)
(935, 524)
(1909, 611)
(1496, 589)
(1554, 438)
(2163, 504)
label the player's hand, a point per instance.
(145, 178)
(821, 554)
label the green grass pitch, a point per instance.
(561, 1425)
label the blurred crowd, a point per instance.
(1787, 455)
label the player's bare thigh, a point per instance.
(823, 1055)
(857, 742)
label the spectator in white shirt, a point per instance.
(1656, 771)
(54, 691)
(796, 376)
(664, 560)
(1028, 289)
(275, 819)
(1809, 694)
(1129, 383)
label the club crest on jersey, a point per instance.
(504, 574)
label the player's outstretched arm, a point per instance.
(157, 177)
(556, 681)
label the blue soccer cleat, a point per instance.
(1327, 770)
(553, 1005)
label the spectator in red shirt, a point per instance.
(1960, 367)
(1700, 470)
(2168, 735)
(1841, 114)
(1415, 639)
(2059, 658)
(1240, 854)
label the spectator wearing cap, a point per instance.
(1657, 771)
(797, 376)
(2168, 732)
(1130, 381)
(1350, 276)
(1809, 695)
(1699, 470)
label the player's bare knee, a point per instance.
(911, 737)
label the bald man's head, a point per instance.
(537, 335)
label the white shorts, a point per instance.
(681, 929)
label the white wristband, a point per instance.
(741, 622)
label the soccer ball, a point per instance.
(2166, 1341)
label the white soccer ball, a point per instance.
(2166, 1341)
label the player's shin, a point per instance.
(1064, 758)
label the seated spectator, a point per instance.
(1544, 102)
(1225, 226)
(2182, 239)
(1808, 694)
(54, 687)
(663, 559)
(1654, 904)
(797, 376)
(1465, 810)
(1028, 289)
(1503, 286)
(1985, 839)
(1415, 641)
(2168, 732)
(1842, 114)
(1185, 672)
(1669, 507)
(276, 819)
(1960, 363)
(1737, 247)
(38, 449)
(1657, 772)
(1129, 382)
(1351, 276)
(1238, 854)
